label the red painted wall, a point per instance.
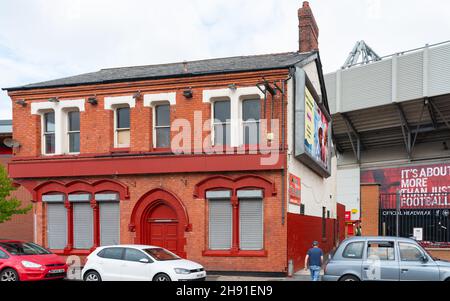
(341, 221)
(302, 231)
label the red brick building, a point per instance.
(20, 226)
(182, 156)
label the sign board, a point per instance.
(295, 190)
(348, 216)
(418, 234)
(312, 127)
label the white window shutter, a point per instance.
(251, 224)
(109, 223)
(83, 232)
(56, 226)
(220, 224)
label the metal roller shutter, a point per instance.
(251, 224)
(220, 224)
(83, 236)
(56, 226)
(109, 223)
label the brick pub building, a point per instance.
(97, 157)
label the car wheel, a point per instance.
(349, 278)
(9, 275)
(92, 276)
(162, 277)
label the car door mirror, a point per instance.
(144, 260)
(424, 259)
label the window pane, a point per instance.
(381, 250)
(134, 255)
(409, 252)
(112, 253)
(163, 115)
(222, 134)
(74, 121)
(74, 142)
(163, 137)
(50, 143)
(220, 224)
(123, 118)
(251, 224)
(123, 138)
(354, 250)
(251, 133)
(49, 120)
(222, 111)
(251, 109)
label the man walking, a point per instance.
(314, 259)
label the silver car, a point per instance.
(384, 259)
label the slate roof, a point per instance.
(192, 68)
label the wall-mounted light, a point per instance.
(21, 102)
(188, 93)
(93, 100)
(137, 95)
(232, 87)
(54, 99)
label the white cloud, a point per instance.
(47, 39)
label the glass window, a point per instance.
(74, 131)
(409, 252)
(3, 255)
(161, 254)
(251, 115)
(123, 127)
(221, 123)
(134, 255)
(162, 126)
(49, 133)
(23, 249)
(354, 250)
(111, 253)
(381, 250)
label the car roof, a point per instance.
(380, 238)
(139, 247)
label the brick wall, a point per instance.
(20, 226)
(370, 195)
(96, 132)
(182, 185)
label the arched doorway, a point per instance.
(160, 219)
(160, 227)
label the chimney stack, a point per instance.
(308, 30)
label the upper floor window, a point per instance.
(122, 127)
(49, 133)
(162, 126)
(222, 122)
(251, 115)
(73, 131)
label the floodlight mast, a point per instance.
(362, 50)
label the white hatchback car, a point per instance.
(139, 263)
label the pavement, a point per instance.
(301, 275)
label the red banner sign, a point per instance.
(295, 190)
(420, 187)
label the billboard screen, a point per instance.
(312, 127)
(316, 131)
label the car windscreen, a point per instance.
(23, 248)
(161, 254)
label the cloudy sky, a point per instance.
(48, 39)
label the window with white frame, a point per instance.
(251, 116)
(49, 133)
(162, 126)
(222, 122)
(122, 127)
(73, 131)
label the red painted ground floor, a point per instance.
(229, 222)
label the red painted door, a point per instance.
(162, 228)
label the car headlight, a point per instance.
(182, 271)
(32, 265)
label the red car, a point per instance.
(27, 261)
